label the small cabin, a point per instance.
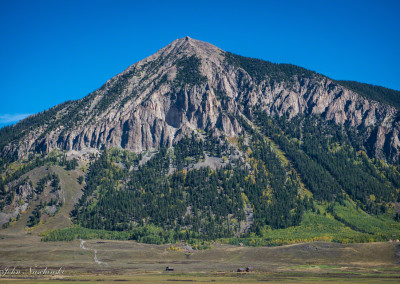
(249, 269)
(240, 270)
(169, 268)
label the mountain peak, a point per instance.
(185, 39)
(190, 46)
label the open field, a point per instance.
(219, 278)
(131, 261)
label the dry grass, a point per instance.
(133, 261)
(72, 193)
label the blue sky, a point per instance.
(58, 50)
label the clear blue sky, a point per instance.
(58, 50)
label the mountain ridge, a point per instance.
(138, 86)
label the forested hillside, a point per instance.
(305, 177)
(377, 93)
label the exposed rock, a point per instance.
(21, 190)
(144, 107)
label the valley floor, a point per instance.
(101, 261)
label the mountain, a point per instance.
(194, 142)
(191, 85)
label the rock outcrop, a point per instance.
(190, 85)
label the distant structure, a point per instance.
(169, 268)
(248, 269)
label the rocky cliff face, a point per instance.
(191, 85)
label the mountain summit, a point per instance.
(190, 85)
